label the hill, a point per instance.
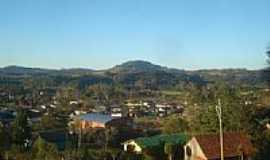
(139, 66)
(131, 74)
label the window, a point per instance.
(188, 151)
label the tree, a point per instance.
(21, 131)
(267, 52)
(256, 119)
(52, 121)
(4, 139)
(169, 149)
(43, 151)
(261, 135)
(174, 124)
(235, 116)
(266, 71)
(100, 92)
(16, 153)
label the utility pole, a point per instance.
(219, 113)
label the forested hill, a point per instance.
(133, 73)
(233, 76)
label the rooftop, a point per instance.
(97, 117)
(158, 140)
(233, 143)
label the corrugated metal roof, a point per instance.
(159, 140)
(97, 117)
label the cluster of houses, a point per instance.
(101, 116)
(131, 110)
(150, 108)
(45, 100)
(197, 147)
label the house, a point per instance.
(34, 115)
(130, 104)
(268, 125)
(166, 109)
(138, 145)
(116, 111)
(207, 147)
(94, 120)
(133, 111)
(76, 113)
(52, 106)
(116, 114)
(73, 102)
(43, 107)
(162, 109)
(99, 109)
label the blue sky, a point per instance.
(186, 34)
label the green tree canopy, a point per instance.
(4, 138)
(174, 124)
(21, 131)
(44, 151)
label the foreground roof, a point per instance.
(234, 143)
(158, 140)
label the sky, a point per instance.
(98, 34)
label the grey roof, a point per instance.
(97, 117)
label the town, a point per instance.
(105, 120)
(134, 80)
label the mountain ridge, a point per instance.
(141, 65)
(139, 71)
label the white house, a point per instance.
(131, 145)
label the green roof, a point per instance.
(160, 140)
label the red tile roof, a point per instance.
(233, 142)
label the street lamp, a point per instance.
(219, 113)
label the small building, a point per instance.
(73, 102)
(100, 109)
(116, 114)
(34, 115)
(133, 146)
(116, 111)
(267, 125)
(207, 147)
(132, 111)
(162, 110)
